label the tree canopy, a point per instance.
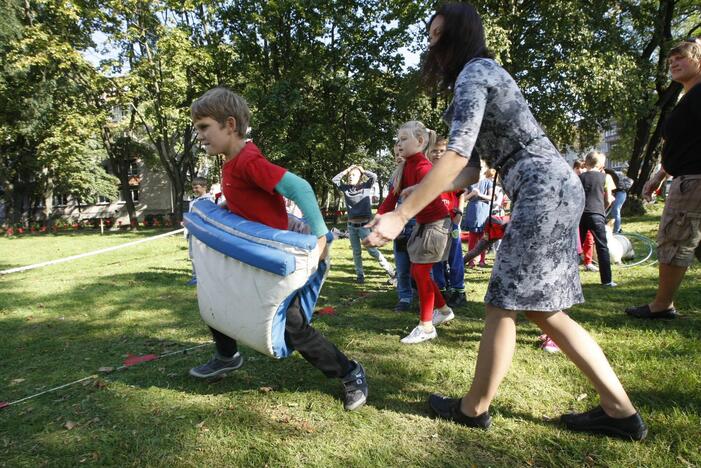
(327, 81)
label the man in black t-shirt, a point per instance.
(596, 199)
(679, 235)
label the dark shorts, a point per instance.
(679, 236)
(429, 243)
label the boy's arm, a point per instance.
(299, 191)
(460, 208)
(372, 178)
(608, 190)
(337, 178)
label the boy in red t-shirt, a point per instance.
(254, 189)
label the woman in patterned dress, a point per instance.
(536, 269)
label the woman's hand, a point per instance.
(384, 227)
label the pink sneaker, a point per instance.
(549, 346)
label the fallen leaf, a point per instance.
(16, 381)
(306, 427)
(106, 370)
(581, 397)
(292, 405)
(199, 425)
(100, 384)
(265, 389)
(69, 425)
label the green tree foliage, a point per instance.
(166, 67)
(44, 127)
(650, 28)
(326, 81)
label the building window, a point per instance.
(133, 169)
(60, 200)
(134, 194)
(102, 200)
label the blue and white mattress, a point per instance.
(249, 273)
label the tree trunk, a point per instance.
(645, 145)
(123, 175)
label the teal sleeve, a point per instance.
(299, 191)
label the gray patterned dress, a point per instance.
(536, 268)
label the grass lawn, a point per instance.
(64, 322)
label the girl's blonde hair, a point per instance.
(419, 131)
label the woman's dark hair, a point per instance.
(462, 39)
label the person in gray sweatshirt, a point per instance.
(358, 198)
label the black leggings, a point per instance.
(300, 335)
(596, 223)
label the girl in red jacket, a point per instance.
(428, 243)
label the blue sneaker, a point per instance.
(192, 282)
(356, 388)
(216, 367)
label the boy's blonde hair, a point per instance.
(690, 48)
(220, 103)
(419, 131)
(594, 159)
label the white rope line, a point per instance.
(95, 376)
(88, 254)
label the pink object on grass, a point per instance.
(549, 346)
(132, 360)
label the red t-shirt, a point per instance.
(451, 200)
(248, 184)
(415, 169)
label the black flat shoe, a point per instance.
(449, 408)
(644, 311)
(598, 422)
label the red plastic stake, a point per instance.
(4, 404)
(132, 360)
(328, 310)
